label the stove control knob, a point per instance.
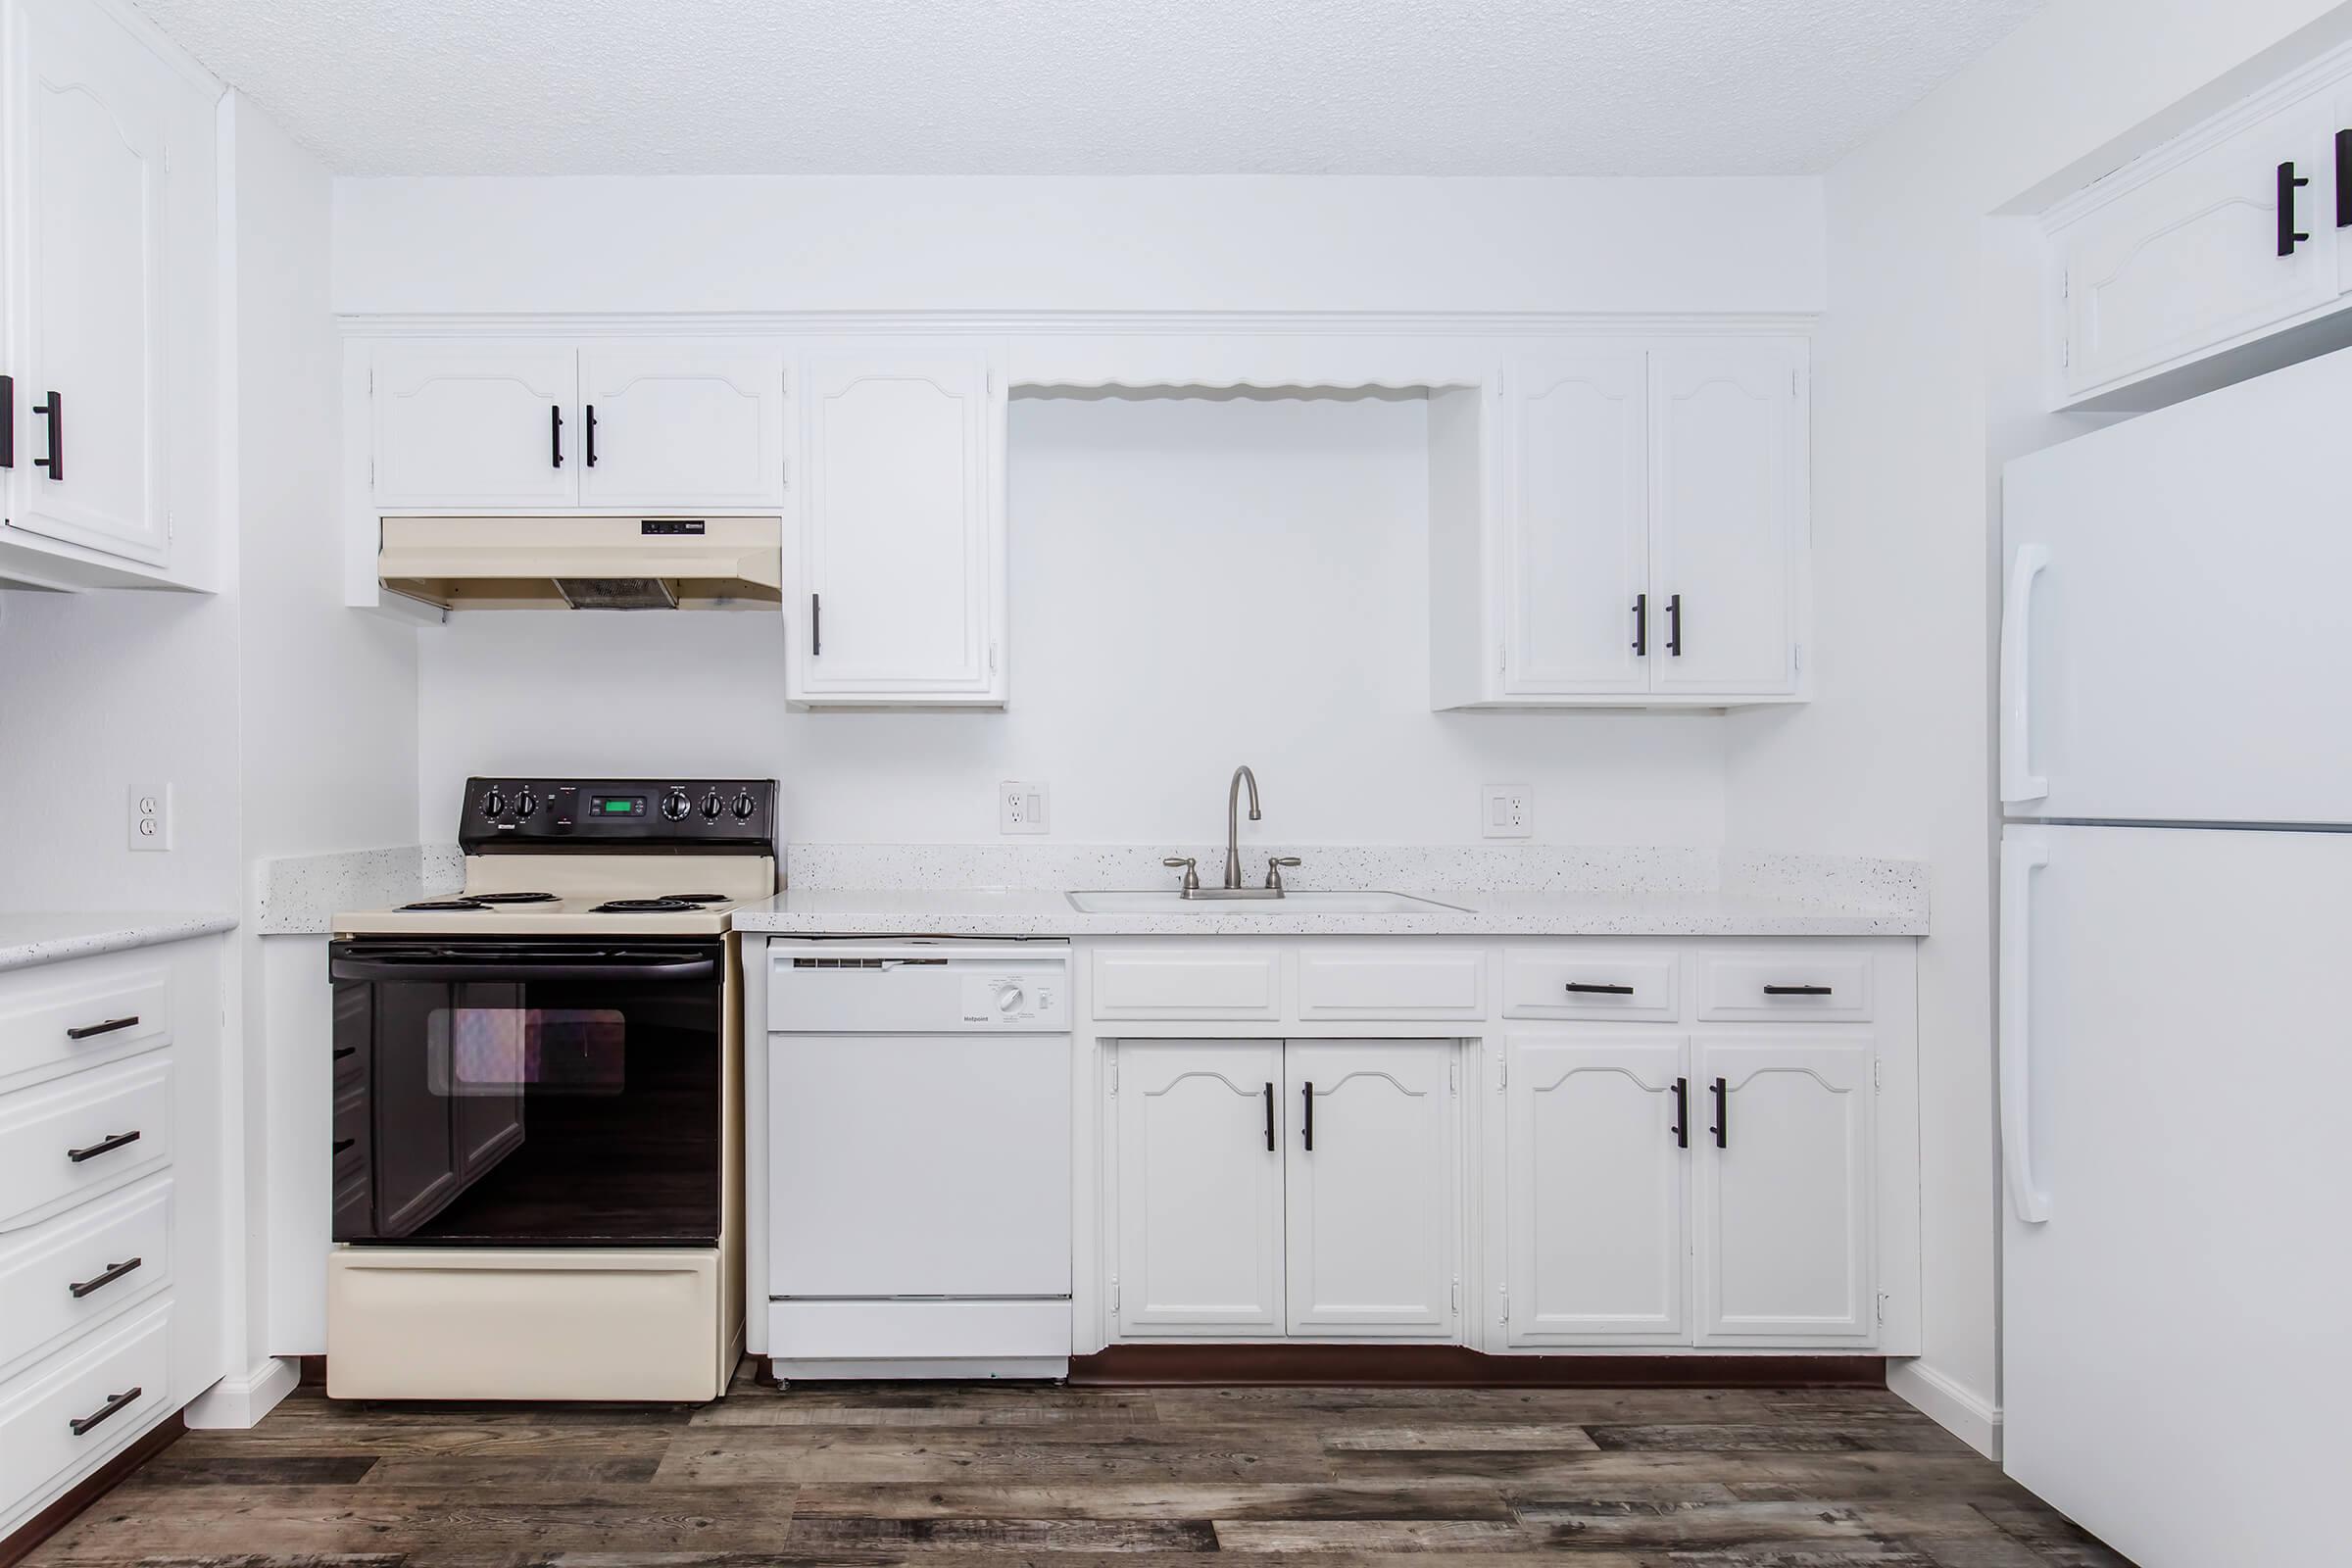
(675, 804)
(493, 803)
(525, 805)
(713, 806)
(744, 806)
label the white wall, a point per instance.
(1926, 379)
(1197, 582)
(1180, 243)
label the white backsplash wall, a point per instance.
(1197, 582)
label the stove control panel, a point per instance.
(538, 814)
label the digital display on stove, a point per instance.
(616, 805)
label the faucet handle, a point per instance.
(1192, 872)
(1274, 865)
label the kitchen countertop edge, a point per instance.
(27, 941)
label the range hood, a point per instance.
(585, 562)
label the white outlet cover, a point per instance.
(1021, 806)
(150, 816)
(1507, 811)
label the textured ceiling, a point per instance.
(1085, 86)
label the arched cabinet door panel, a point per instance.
(461, 425)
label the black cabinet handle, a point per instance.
(82, 1424)
(341, 1144)
(2343, 179)
(1269, 1118)
(103, 1278)
(1307, 1093)
(103, 1146)
(1598, 988)
(816, 626)
(91, 1031)
(8, 422)
(1641, 625)
(590, 423)
(1797, 990)
(554, 435)
(54, 410)
(1682, 1113)
(2290, 183)
(1722, 1114)
(1674, 624)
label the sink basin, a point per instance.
(1298, 900)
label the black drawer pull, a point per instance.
(54, 410)
(8, 422)
(1682, 1113)
(103, 1146)
(341, 1144)
(1674, 624)
(89, 1031)
(1269, 1118)
(1598, 988)
(103, 1278)
(1797, 990)
(1307, 1140)
(345, 1050)
(2343, 179)
(82, 1424)
(1722, 1114)
(555, 436)
(1641, 625)
(2290, 236)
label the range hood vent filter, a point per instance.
(616, 593)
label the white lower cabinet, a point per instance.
(1785, 1174)
(1307, 1189)
(1596, 1187)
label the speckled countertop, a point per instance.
(29, 939)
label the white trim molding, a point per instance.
(1966, 1415)
(240, 1400)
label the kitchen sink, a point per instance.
(1298, 900)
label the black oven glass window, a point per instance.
(493, 1051)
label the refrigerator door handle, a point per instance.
(2021, 857)
(2017, 605)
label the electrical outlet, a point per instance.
(1020, 807)
(1511, 812)
(151, 817)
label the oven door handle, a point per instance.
(613, 966)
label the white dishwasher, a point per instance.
(919, 1160)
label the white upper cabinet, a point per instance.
(1574, 521)
(1200, 1222)
(1597, 1124)
(1371, 1189)
(1726, 517)
(2225, 235)
(681, 425)
(109, 211)
(1782, 1130)
(902, 521)
(472, 426)
(1631, 532)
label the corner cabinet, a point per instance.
(1622, 523)
(899, 579)
(107, 441)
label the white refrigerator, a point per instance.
(2175, 975)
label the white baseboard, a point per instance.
(241, 1401)
(1974, 1420)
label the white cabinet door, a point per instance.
(1782, 1126)
(1371, 1187)
(681, 425)
(111, 200)
(1575, 524)
(466, 426)
(1199, 1200)
(1726, 445)
(1596, 1123)
(2188, 259)
(901, 547)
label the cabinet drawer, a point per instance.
(1185, 983)
(83, 1012)
(86, 1264)
(1643, 986)
(1402, 981)
(70, 1411)
(93, 1115)
(1796, 983)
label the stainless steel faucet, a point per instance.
(1233, 824)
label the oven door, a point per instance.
(529, 1093)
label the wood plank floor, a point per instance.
(1006, 1474)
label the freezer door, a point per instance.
(2173, 640)
(2175, 1063)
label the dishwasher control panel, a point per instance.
(1014, 998)
(916, 987)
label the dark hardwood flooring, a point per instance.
(1005, 1474)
